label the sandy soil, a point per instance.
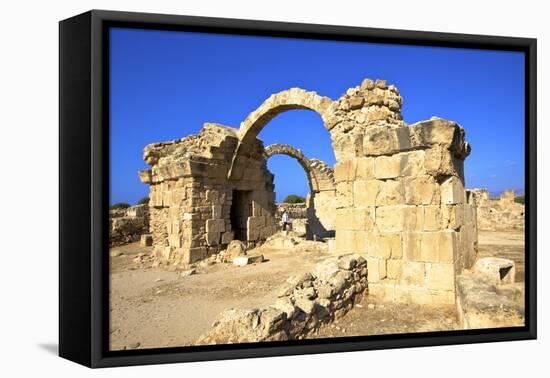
(153, 308)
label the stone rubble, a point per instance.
(305, 303)
(128, 225)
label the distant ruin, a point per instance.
(395, 196)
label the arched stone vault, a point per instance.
(322, 197)
(294, 98)
(320, 175)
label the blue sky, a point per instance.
(165, 85)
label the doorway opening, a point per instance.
(241, 209)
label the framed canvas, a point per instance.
(236, 188)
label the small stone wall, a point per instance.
(127, 225)
(489, 297)
(305, 303)
(500, 214)
(295, 210)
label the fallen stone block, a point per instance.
(247, 260)
(498, 270)
(146, 240)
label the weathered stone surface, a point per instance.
(246, 260)
(497, 270)
(481, 305)
(146, 240)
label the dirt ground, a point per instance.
(153, 308)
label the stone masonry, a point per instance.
(499, 214)
(321, 199)
(400, 199)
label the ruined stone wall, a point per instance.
(127, 225)
(191, 198)
(500, 214)
(400, 192)
(305, 303)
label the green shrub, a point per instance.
(120, 205)
(520, 199)
(293, 198)
(143, 201)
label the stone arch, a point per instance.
(320, 175)
(290, 99)
(294, 98)
(320, 202)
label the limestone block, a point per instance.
(448, 245)
(387, 167)
(217, 211)
(421, 190)
(344, 194)
(357, 219)
(350, 241)
(382, 291)
(212, 238)
(452, 191)
(227, 237)
(429, 246)
(397, 218)
(146, 240)
(453, 216)
(356, 102)
(167, 253)
(394, 268)
(376, 269)
(265, 232)
(413, 163)
(345, 170)
(255, 222)
(256, 209)
(440, 276)
(498, 270)
(252, 234)
(392, 192)
(175, 240)
(366, 192)
(145, 176)
(379, 141)
(413, 274)
(432, 218)
(194, 254)
(365, 169)
(440, 162)
(384, 245)
(215, 225)
(367, 84)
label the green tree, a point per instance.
(143, 201)
(293, 198)
(520, 199)
(120, 205)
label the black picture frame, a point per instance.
(84, 175)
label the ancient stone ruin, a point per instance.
(320, 202)
(499, 214)
(395, 196)
(128, 225)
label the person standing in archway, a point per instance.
(286, 220)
